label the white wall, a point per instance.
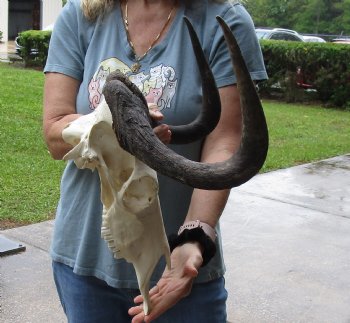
(50, 9)
(4, 9)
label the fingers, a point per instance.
(175, 283)
(154, 290)
(161, 304)
(163, 133)
(154, 112)
(163, 296)
(137, 313)
(139, 299)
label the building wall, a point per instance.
(50, 11)
(20, 15)
(4, 9)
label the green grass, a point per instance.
(301, 133)
(29, 180)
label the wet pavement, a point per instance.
(286, 242)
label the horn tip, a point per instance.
(220, 20)
(222, 23)
(187, 20)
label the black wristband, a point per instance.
(194, 235)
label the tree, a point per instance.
(269, 13)
(305, 16)
(342, 21)
(318, 16)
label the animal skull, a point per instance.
(132, 223)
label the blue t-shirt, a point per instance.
(168, 77)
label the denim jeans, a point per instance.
(86, 299)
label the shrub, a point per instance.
(1, 33)
(325, 66)
(35, 45)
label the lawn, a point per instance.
(29, 180)
(304, 133)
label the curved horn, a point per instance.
(209, 116)
(134, 132)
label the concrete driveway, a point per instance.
(8, 51)
(286, 242)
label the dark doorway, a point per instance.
(23, 15)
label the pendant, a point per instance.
(135, 67)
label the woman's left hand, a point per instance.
(174, 284)
(162, 131)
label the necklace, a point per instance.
(137, 65)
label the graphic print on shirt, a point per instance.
(158, 86)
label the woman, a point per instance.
(148, 41)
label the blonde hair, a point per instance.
(94, 8)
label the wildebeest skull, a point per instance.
(132, 222)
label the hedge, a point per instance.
(325, 67)
(35, 46)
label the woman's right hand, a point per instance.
(162, 131)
